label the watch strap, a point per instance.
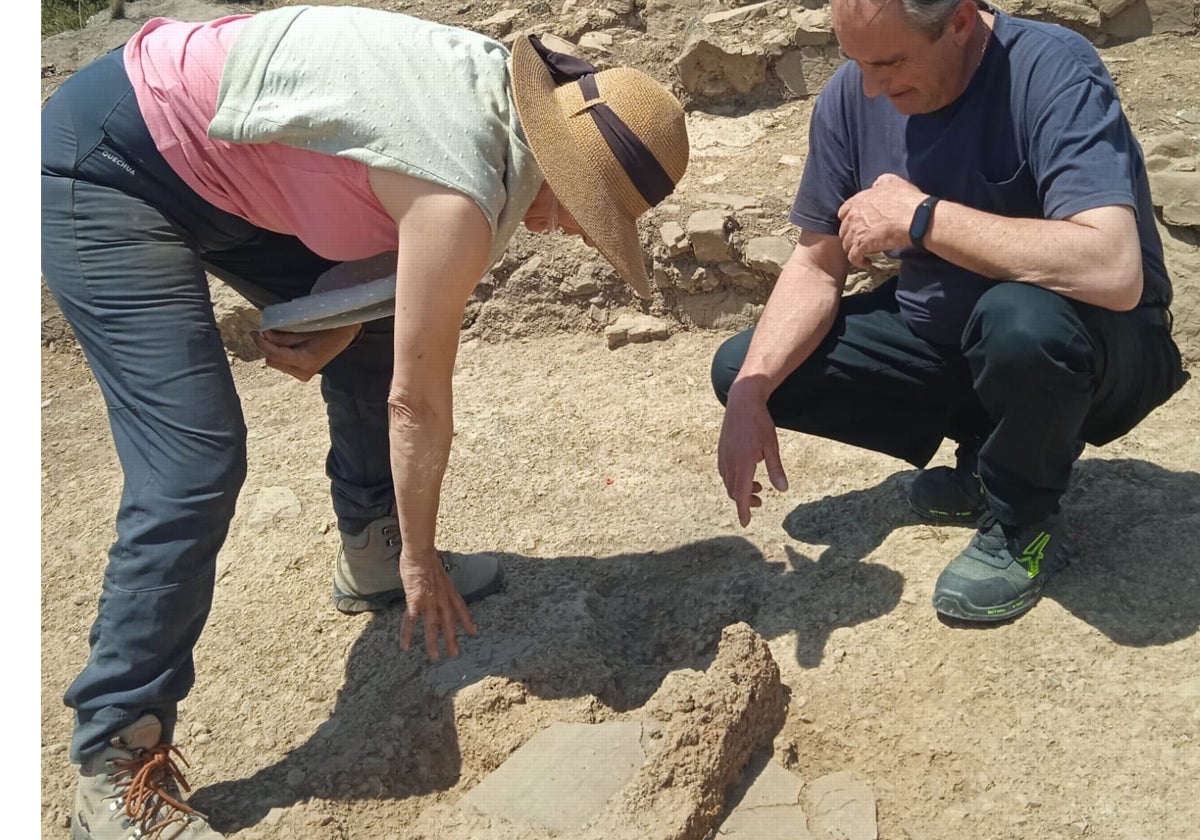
(922, 216)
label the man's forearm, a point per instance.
(1094, 258)
(796, 318)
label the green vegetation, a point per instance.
(61, 15)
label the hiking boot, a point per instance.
(950, 496)
(1001, 572)
(132, 790)
(366, 574)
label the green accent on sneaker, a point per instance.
(132, 789)
(994, 579)
(1031, 557)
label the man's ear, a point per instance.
(963, 21)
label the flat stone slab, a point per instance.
(562, 777)
(770, 807)
(770, 823)
(841, 806)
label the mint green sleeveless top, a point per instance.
(387, 90)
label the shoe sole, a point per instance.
(940, 517)
(958, 605)
(356, 604)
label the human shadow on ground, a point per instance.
(563, 627)
(1134, 573)
(1134, 566)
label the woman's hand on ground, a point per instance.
(430, 596)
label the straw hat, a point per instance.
(580, 164)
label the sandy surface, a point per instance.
(593, 472)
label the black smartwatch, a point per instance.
(920, 222)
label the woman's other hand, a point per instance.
(303, 355)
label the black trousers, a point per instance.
(1034, 378)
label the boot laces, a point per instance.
(149, 783)
(990, 534)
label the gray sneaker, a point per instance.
(366, 573)
(132, 789)
(1002, 571)
(950, 496)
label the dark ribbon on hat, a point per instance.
(635, 158)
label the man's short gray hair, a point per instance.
(930, 16)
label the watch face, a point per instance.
(920, 221)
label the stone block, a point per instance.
(708, 232)
(674, 238)
(635, 329)
(1178, 194)
(562, 777)
(839, 805)
(767, 254)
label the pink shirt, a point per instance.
(325, 201)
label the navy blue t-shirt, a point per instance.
(1038, 133)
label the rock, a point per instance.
(1177, 17)
(712, 723)
(708, 232)
(700, 279)
(274, 504)
(635, 329)
(621, 7)
(733, 202)
(1181, 251)
(710, 68)
(674, 238)
(501, 23)
(582, 284)
(772, 784)
(596, 41)
(767, 254)
(527, 276)
(236, 317)
(1131, 22)
(1178, 194)
(1079, 16)
(813, 27)
(562, 777)
(1174, 146)
(805, 71)
(738, 275)
(561, 45)
(592, 277)
(767, 823)
(741, 14)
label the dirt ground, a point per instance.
(592, 471)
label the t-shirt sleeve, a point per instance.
(829, 174)
(1078, 152)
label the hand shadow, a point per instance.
(563, 627)
(837, 589)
